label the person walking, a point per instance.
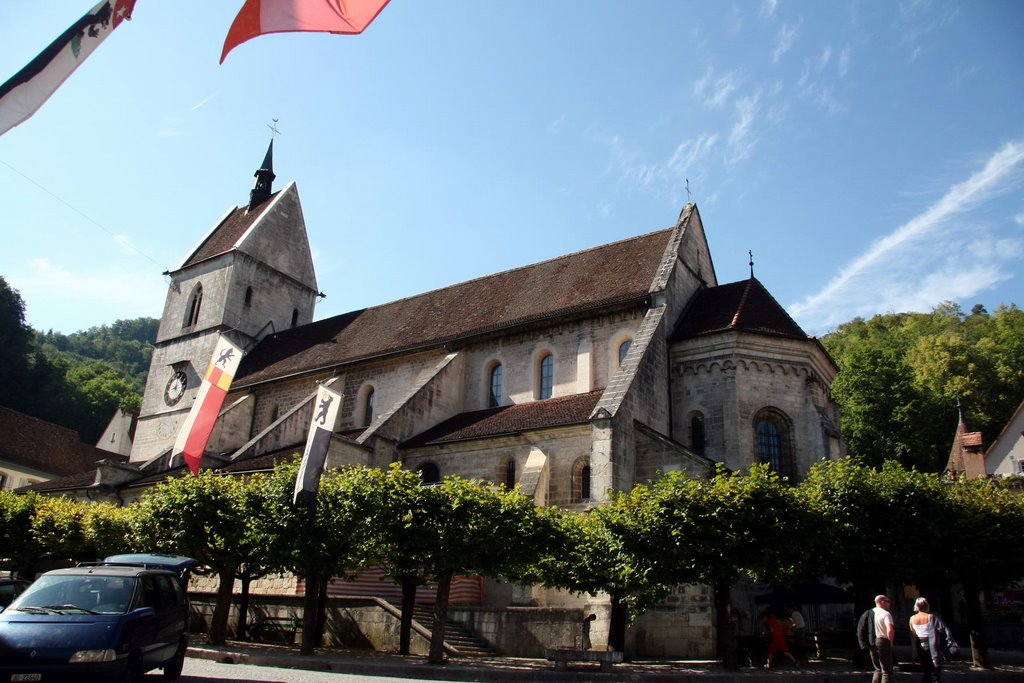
(885, 634)
(875, 633)
(927, 635)
(776, 639)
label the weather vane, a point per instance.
(751, 255)
(273, 129)
(687, 190)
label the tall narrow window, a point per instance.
(510, 473)
(697, 434)
(494, 398)
(368, 407)
(580, 488)
(295, 317)
(194, 304)
(547, 376)
(623, 350)
(772, 444)
(248, 297)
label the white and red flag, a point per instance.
(321, 427)
(198, 426)
(258, 17)
(28, 89)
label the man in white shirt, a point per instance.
(885, 634)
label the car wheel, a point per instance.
(173, 666)
(132, 672)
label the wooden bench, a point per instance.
(280, 630)
(562, 656)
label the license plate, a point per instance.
(26, 677)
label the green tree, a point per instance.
(902, 375)
(19, 548)
(874, 527)
(15, 345)
(719, 529)
(203, 517)
(474, 528)
(319, 541)
(980, 546)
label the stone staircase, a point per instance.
(463, 641)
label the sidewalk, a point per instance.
(1009, 666)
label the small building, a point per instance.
(34, 451)
(1005, 456)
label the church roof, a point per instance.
(225, 236)
(620, 273)
(507, 420)
(744, 306)
(40, 445)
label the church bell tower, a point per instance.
(251, 275)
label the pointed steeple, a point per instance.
(264, 179)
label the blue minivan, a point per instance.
(109, 621)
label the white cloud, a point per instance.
(1019, 219)
(921, 263)
(720, 88)
(124, 293)
(824, 57)
(741, 137)
(844, 61)
(787, 36)
(769, 7)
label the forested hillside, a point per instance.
(76, 380)
(902, 375)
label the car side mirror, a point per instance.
(143, 612)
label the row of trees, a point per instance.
(868, 527)
(902, 376)
(76, 381)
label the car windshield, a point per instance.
(77, 593)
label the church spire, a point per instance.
(264, 179)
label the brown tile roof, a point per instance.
(224, 237)
(617, 273)
(44, 446)
(744, 306)
(505, 420)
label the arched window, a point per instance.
(772, 443)
(368, 406)
(194, 303)
(581, 481)
(248, 297)
(623, 350)
(546, 378)
(494, 396)
(509, 473)
(274, 413)
(295, 317)
(697, 434)
(429, 474)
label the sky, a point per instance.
(870, 154)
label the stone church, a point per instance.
(581, 374)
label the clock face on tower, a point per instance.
(175, 388)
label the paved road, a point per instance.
(205, 671)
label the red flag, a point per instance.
(28, 89)
(196, 430)
(282, 16)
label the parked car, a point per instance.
(10, 589)
(108, 621)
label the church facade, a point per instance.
(570, 378)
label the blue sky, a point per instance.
(870, 154)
